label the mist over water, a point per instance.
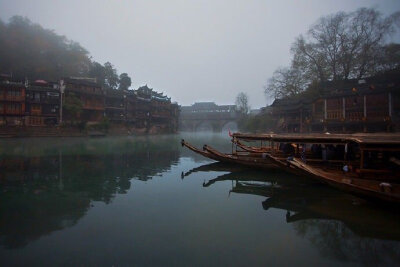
(148, 201)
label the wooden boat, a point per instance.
(198, 151)
(347, 182)
(256, 160)
(381, 183)
(246, 159)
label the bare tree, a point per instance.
(389, 57)
(307, 58)
(285, 82)
(343, 45)
(242, 103)
(338, 47)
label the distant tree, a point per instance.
(111, 76)
(98, 71)
(28, 50)
(124, 81)
(263, 122)
(242, 103)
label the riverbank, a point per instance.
(69, 131)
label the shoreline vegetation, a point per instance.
(50, 82)
(31, 52)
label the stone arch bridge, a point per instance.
(207, 116)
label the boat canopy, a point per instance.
(370, 139)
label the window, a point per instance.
(13, 108)
(35, 108)
(14, 93)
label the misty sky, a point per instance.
(191, 50)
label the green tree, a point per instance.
(28, 50)
(124, 81)
(98, 71)
(111, 76)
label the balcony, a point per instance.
(13, 98)
(93, 105)
(36, 112)
(334, 115)
(14, 112)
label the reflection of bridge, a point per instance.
(208, 116)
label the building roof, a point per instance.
(385, 82)
(114, 93)
(360, 138)
(12, 84)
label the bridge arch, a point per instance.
(204, 126)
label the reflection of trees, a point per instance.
(51, 190)
(338, 225)
(334, 239)
(27, 213)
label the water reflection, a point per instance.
(84, 202)
(339, 225)
(47, 187)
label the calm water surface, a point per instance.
(147, 201)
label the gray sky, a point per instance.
(191, 50)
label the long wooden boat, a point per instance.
(198, 151)
(382, 184)
(257, 160)
(246, 159)
(359, 186)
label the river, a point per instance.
(124, 201)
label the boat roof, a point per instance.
(360, 138)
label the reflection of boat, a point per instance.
(321, 203)
(305, 201)
(247, 159)
(274, 177)
(213, 167)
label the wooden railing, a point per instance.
(36, 112)
(14, 98)
(334, 114)
(14, 112)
